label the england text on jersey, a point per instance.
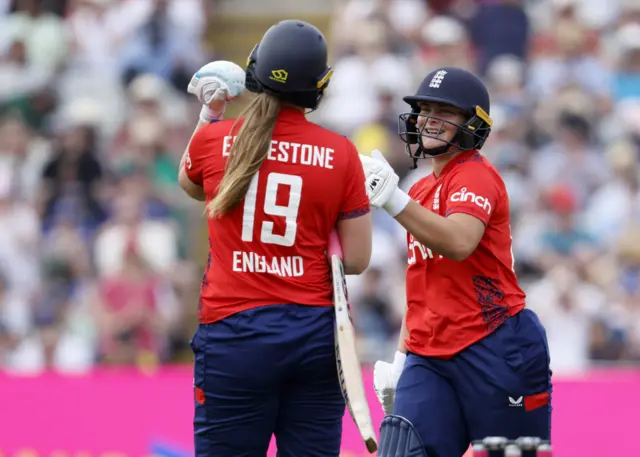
(250, 262)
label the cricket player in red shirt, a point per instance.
(275, 186)
(472, 361)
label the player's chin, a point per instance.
(429, 142)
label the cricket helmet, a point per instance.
(290, 63)
(454, 87)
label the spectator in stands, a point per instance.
(132, 328)
(155, 240)
(74, 174)
(162, 48)
(500, 28)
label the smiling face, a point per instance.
(440, 123)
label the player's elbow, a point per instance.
(192, 190)
(195, 192)
(357, 258)
(355, 238)
(356, 268)
(465, 235)
(461, 251)
(459, 246)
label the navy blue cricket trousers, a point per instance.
(500, 386)
(268, 371)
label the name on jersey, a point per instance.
(295, 153)
(250, 262)
(464, 196)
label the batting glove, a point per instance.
(385, 380)
(220, 81)
(382, 184)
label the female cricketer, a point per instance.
(472, 361)
(275, 186)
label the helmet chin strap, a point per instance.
(435, 152)
(430, 153)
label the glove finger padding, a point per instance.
(381, 184)
(219, 80)
(378, 155)
(208, 89)
(385, 380)
(217, 91)
(380, 188)
(384, 385)
(231, 75)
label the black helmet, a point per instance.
(455, 87)
(290, 62)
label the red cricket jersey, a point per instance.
(271, 248)
(451, 304)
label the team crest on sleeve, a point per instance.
(437, 79)
(189, 164)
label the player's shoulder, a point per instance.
(476, 167)
(213, 131)
(475, 161)
(206, 143)
(221, 128)
(329, 137)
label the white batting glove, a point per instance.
(220, 81)
(382, 184)
(385, 380)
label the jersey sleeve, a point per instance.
(355, 201)
(196, 155)
(475, 191)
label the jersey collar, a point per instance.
(288, 113)
(460, 158)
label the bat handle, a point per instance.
(334, 244)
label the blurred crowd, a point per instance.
(101, 253)
(96, 262)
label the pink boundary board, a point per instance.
(124, 412)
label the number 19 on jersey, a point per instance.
(271, 208)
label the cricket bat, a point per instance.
(349, 370)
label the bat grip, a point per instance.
(334, 244)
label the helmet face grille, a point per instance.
(470, 135)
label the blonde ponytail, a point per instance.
(249, 150)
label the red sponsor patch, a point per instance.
(199, 393)
(532, 402)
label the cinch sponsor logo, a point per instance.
(464, 196)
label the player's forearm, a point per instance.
(186, 150)
(440, 234)
(192, 190)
